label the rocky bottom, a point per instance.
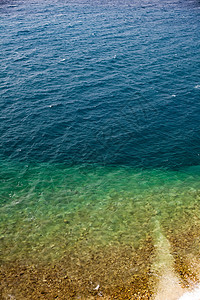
(117, 272)
(109, 273)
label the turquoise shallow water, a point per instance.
(47, 209)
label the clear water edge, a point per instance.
(50, 211)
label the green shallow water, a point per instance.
(49, 209)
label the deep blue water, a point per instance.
(114, 82)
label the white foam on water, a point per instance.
(197, 86)
(192, 295)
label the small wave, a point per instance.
(55, 105)
(197, 86)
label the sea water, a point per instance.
(100, 151)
